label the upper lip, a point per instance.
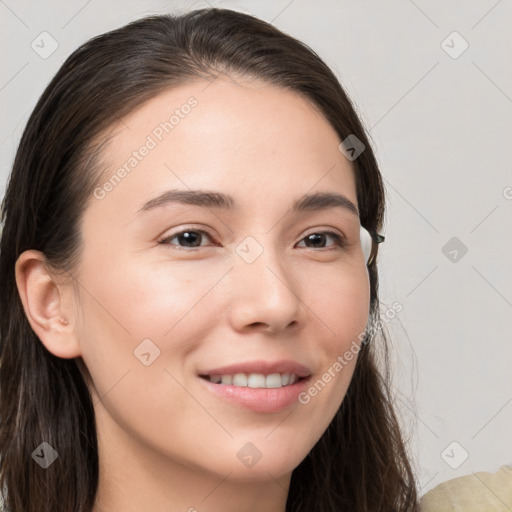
(264, 367)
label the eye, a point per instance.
(190, 238)
(317, 239)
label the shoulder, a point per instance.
(472, 493)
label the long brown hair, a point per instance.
(361, 462)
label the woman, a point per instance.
(189, 303)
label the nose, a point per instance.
(265, 295)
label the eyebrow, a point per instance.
(210, 199)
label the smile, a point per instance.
(254, 380)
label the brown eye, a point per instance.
(318, 239)
(188, 238)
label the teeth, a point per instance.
(226, 379)
(240, 379)
(274, 380)
(255, 380)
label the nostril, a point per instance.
(256, 324)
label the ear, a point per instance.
(47, 305)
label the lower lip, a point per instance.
(266, 400)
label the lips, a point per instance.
(258, 400)
(272, 399)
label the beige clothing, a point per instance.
(478, 492)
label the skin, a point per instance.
(166, 444)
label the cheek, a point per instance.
(341, 306)
(121, 308)
(340, 298)
(140, 300)
(129, 303)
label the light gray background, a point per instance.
(441, 128)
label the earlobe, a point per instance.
(44, 305)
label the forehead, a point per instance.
(249, 138)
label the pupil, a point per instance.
(315, 237)
(190, 237)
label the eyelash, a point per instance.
(339, 239)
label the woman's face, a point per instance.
(174, 290)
